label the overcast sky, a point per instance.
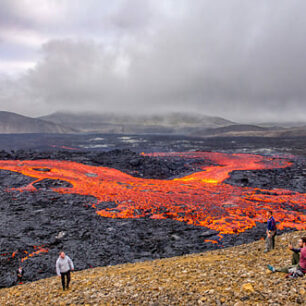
(243, 60)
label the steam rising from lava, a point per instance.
(201, 198)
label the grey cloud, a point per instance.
(236, 59)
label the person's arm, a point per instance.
(269, 225)
(58, 272)
(296, 250)
(268, 228)
(70, 264)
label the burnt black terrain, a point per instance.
(151, 143)
(69, 222)
(291, 178)
(125, 160)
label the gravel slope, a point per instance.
(233, 276)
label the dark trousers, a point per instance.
(295, 258)
(19, 279)
(294, 264)
(67, 276)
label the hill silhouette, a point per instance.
(12, 123)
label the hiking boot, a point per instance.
(271, 268)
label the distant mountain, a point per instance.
(236, 128)
(283, 124)
(116, 123)
(233, 130)
(171, 123)
(293, 132)
(12, 123)
(239, 130)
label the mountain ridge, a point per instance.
(189, 124)
(13, 123)
(123, 123)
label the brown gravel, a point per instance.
(234, 276)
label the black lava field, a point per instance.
(37, 223)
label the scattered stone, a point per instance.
(91, 174)
(174, 281)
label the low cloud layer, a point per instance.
(237, 59)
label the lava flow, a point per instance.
(201, 198)
(25, 255)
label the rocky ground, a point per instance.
(291, 178)
(66, 221)
(152, 143)
(232, 276)
(69, 222)
(125, 160)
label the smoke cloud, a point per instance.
(237, 59)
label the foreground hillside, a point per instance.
(233, 276)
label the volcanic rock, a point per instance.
(35, 219)
(31, 219)
(211, 278)
(48, 183)
(124, 160)
(11, 179)
(291, 178)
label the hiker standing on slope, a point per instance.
(271, 232)
(63, 267)
(19, 274)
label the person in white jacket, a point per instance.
(63, 267)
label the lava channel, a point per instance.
(201, 199)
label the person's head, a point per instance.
(304, 242)
(269, 213)
(20, 268)
(300, 243)
(62, 254)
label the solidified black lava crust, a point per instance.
(291, 178)
(67, 222)
(125, 160)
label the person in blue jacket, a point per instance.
(271, 232)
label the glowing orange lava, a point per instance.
(25, 255)
(201, 198)
(38, 250)
(65, 147)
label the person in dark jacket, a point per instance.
(301, 268)
(19, 274)
(294, 260)
(63, 267)
(271, 232)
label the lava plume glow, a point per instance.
(201, 198)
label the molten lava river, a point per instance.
(201, 199)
